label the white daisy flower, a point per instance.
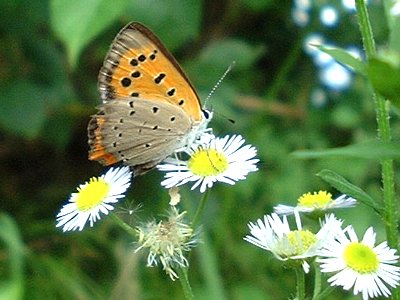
(294, 246)
(316, 202)
(167, 241)
(94, 197)
(360, 264)
(221, 159)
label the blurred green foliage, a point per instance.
(51, 52)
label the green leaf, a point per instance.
(373, 149)
(224, 52)
(77, 22)
(23, 108)
(345, 58)
(384, 73)
(176, 22)
(11, 239)
(344, 186)
(217, 56)
(207, 68)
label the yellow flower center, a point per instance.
(300, 241)
(208, 162)
(315, 200)
(92, 194)
(361, 258)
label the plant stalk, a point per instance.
(384, 135)
(300, 284)
(184, 280)
(117, 220)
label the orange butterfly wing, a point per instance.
(138, 65)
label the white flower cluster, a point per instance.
(359, 264)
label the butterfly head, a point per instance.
(199, 132)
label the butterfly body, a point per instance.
(150, 109)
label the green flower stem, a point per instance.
(317, 294)
(117, 220)
(365, 28)
(200, 208)
(184, 280)
(325, 293)
(317, 281)
(384, 133)
(301, 282)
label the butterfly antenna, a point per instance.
(219, 82)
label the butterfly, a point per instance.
(149, 108)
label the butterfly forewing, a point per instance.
(138, 65)
(149, 110)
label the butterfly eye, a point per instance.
(206, 113)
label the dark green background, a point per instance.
(50, 54)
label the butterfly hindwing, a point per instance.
(136, 131)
